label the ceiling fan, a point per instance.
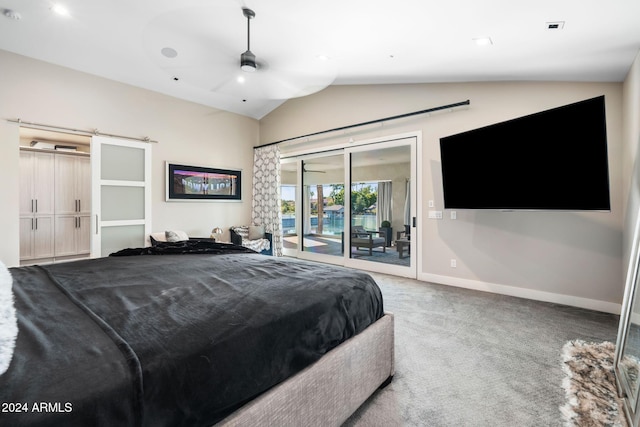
(183, 43)
(265, 81)
(248, 59)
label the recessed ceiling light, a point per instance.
(323, 57)
(60, 10)
(11, 14)
(483, 41)
(169, 52)
(240, 79)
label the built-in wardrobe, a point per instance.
(55, 205)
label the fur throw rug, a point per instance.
(590, 386)
(8, 321)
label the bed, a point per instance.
(194, 334)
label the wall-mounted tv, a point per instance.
(552, 160)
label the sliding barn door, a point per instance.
(121, 194)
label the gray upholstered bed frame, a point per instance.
(329, 391)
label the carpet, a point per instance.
(467, 358)
(590, 385)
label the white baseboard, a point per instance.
(591, 304)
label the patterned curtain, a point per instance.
(265, 208)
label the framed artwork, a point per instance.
(202, 183)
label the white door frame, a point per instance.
(97, 183)
(411, 138)
(298, 205)
(308, 255)
(363, 264)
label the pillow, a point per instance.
(176, 236)
(8, 321)
(256, 232)
(242, 231)
(154, 238)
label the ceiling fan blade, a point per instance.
(271, 83)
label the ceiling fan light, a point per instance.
(248, 62)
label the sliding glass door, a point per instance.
(381, 207)
(322, 213)
(354, 206)
(290, 206)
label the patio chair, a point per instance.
(253, 237)
(363, 239)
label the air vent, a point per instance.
(558, 25)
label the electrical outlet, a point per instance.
(454, 215)
(431, 203)
(454, 263)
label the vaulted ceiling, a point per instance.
(190, 49)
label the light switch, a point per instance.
(435, 214)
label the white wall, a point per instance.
(188, 133)
(569, 257)
(631, 162)
(577, 255)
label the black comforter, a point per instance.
(172, 340)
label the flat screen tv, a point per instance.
(552, 160)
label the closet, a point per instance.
(72, 205)
(37, 174)
(55, 205)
